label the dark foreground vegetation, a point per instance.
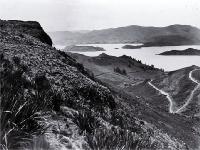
(21, 100)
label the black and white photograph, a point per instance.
(99, 74)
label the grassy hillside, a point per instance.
(50, 101)
(148, 103)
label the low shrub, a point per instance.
(120, 71)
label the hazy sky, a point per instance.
(57, 15)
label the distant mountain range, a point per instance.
(150, 36)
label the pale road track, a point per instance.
(170, 99)
(166, 94)
(192, 93)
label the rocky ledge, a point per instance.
(32, 28)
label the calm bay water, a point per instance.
(148, 55)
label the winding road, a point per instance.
(170, 99)
(166, 94)
(193, 91)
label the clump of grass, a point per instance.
(86, 121)
(96, 98)
(20, 100)
(116, 138)
(99, 137)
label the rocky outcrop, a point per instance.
(32, 28)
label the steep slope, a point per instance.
(40, 80)
(49, 101)
(152, 36)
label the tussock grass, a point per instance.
(20, 100)
(101, 137)
(118, 139)
(86, 121)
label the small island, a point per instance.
(132, 47)
(83, 48)
(188, 52)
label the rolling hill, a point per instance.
(150, 36)
(170, 100)
(186, 52)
